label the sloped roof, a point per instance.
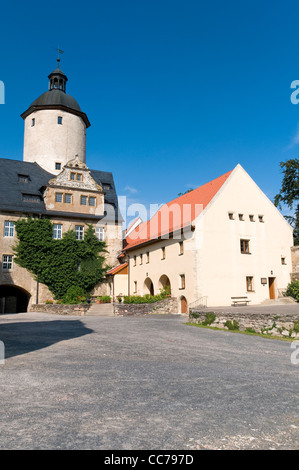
(176, 214)
(117, 269)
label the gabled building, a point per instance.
(53, 181)
(221, 241)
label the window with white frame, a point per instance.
(57, 231)
(6, 262)
(100, 234)
(9, 228)
(79, 230)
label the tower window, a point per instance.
(57, 166)
(59, 120)
(33, 122)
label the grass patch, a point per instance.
(248, 331)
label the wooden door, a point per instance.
(272, 287)
(184, 308)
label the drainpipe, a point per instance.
(37, 287)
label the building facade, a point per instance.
(222, 241)
(53, 181)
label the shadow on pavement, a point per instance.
(24, 337)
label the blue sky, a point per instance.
(177, 92)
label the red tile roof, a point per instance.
(175, 215)
(117, 269)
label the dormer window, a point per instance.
(23, 178)
(59, 120)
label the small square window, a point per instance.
(261, 218)
(251, 218)
(57, 166)
(183, 281)
(231, 216)
(84, 200)
(59, 197)
(106, 186)
(68, 198)
(92, 201)
(241, 217)
(73, 176)
(283, 260)
(59, 120)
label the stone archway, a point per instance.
(148, 286)
(164, 283)
(184, 304)
(13, 299)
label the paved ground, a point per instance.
(143, 383)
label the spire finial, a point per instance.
(59, 51)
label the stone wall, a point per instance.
(267, 323)
(162, 307)
(59, 309)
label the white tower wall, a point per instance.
(47, 142)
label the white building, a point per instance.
(222, 240)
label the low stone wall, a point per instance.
(162, 307)
(295, 263)
(60, 309)
(266, 323)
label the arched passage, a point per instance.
(184, 304)
(164, 283)
(13, 299)
(148, 286)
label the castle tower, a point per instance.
(55, 127)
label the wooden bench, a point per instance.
(240, 300)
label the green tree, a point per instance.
(59, 264)
(289, 193)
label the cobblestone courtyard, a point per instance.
(143, 383)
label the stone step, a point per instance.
(105, 310)
(280, 301)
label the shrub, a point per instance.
(293, 290)
(296, 326)
(232, 325)
(210, 318)
(194, 315)
(74, 295)
(146, 299)
(105, 299)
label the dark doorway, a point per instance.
(13, 299)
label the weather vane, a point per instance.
(59, 51)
